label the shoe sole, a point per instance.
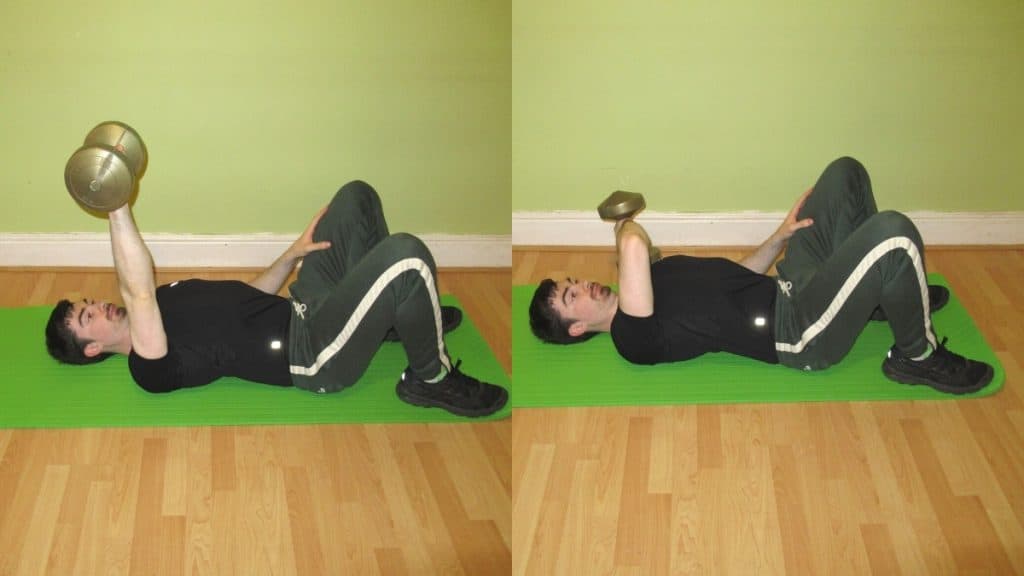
(912, 381)
(425, 402)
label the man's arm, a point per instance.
(636, 295)
(273, 278)
(763, 258)
(134, 266)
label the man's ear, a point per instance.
(92, 349)
(577, 328)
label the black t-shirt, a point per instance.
(700, 305)
(214, 329)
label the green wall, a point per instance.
(460, 111)
(255, 112)
(737, 105)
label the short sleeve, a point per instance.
(179, 368)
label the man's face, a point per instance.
(98, 322)
(584, 301)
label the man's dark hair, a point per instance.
(62, 343)
(545, 322)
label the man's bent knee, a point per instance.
(358, 193)
(408, 246)
(892, 223)
(845, 165)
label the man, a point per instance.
(845, 263)
(356, 283)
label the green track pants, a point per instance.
(348, 296)
(837, 271)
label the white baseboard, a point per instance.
(578, 228)
(565, 228)
(225, 251)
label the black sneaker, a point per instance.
(938, 296)
(451, 317)
(943, 370)
(457, 393)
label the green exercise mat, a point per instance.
(593, 374)
(37, 392)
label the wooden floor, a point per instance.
(339, 499)
(882, 488)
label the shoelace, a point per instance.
(944, 359)
(457, 381)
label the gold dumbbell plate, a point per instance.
(621, 204)
(98, 178)
(124, 139)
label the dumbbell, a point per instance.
(102, 174)
(621, 205)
